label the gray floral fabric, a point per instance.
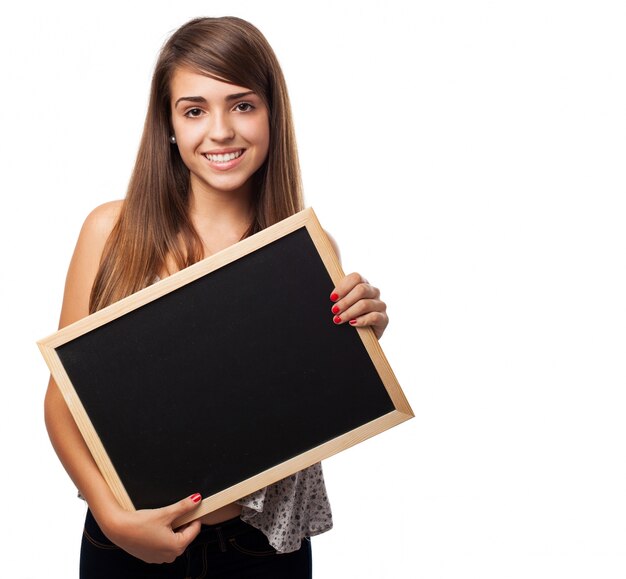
(290, 510)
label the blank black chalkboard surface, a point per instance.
(226, 376)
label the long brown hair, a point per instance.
(154, 223)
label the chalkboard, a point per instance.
(226, 376)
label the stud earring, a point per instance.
(173, 140)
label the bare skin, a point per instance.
(220, 210)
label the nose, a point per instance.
(220, 128)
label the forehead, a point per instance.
(190, 83)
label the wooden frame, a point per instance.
(77, 360)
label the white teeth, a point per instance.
(223, 158)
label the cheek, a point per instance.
(263, 137)
(190, 135)
(188, 144)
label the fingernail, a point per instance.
(337, 320)
(334, 297)
(196, 498)
(352, 322)
(335, 309)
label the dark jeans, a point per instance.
(229, 549)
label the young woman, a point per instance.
(217, 162)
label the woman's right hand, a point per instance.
(148, 534)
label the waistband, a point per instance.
(221, 534)
(230, 528)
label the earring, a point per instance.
(173, 140)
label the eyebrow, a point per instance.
(199, 99)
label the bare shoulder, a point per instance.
(100, 222)
(95, 232)
(86, 260)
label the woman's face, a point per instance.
(222, 132)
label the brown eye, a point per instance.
(193, 113)
(244, 107)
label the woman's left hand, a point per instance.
(358, 303)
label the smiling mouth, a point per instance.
(223, 157)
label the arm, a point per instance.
(147, 534)
(357, 302)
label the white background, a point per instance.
(468, 156)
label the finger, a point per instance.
(374, 319)
(345, 285)
(377, 321)
(181, 508)
(187, 533)
(363, 297)
(363, 307)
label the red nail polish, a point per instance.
(352, 322)
(334, 297)
(335, 309)
(196, 498)
(337, 320)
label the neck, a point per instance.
(220, 218)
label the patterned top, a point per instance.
(290, 510)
